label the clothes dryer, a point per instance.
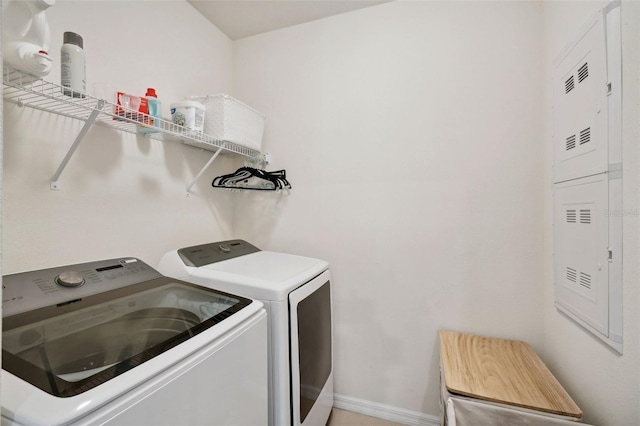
(296, 292)
(115, 342)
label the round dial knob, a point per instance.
(224, 248)
(70, 279)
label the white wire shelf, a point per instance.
(26, 90)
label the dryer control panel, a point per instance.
(31, 290)
(206, 254)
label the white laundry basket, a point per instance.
(230, 120)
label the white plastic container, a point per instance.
(26, 36)
(189, 114)
(73, 66)
(228, 119)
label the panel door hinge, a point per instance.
(608, 88)
(610, 253)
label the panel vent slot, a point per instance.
(585, 135)
(571, 274)
(571, 142)
(585, 216)
(571, 216)
(569, 85)
(585, 280)
(583, 72)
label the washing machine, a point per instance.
(296, 293)
(115, 342)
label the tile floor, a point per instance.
(347, 418)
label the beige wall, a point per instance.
(121, 195)
(416, 138)
(411, 133)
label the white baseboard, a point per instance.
(382, 411)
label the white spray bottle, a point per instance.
(26, 36)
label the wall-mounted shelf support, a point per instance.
(206, 166)
(87, 125)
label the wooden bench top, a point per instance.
(503, 371)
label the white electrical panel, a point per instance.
(588, 179)
(580, 113)
(581, 239)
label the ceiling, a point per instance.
(244, 18)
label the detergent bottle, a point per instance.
(26, 36)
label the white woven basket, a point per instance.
(230, 120)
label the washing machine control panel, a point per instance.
(31, 290)
(207, 254)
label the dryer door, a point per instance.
(311, 351)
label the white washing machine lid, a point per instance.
(25, 404)
(263, 275)
(69, 350)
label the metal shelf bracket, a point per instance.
(87, 125)
(206, 166)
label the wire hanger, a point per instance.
(254, 179)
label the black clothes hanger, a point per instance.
(254, 179)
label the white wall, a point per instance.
(411, 133)
(1, 163)
(415, 135)
(121, 195)
(604, 384)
